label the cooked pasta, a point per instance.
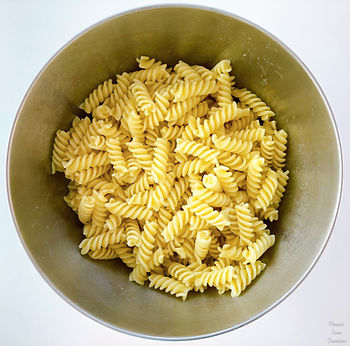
(174, 172)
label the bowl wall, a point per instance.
(51, 232)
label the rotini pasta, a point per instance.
(174, 172)
(97, 96)
(160, 159)
(59, 150)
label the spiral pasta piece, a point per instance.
(99, 212)
(224, 97)
(245, 224)
(141, 154)
(154, 73)
(79, 129)
(142, 97)
(212, 198)
(116, 156)
(196, 149)
(233, 161)
(132, 232)
(101, 241)
(92, 131)
(258, 247)
(217, 118)
(202, 244)
(147, 243)
(86, 207)
(86, 175)
(161, 105)
(120, 89)
(218, 278)
(85, 162)
(199, 111)
(159, 194)
(118, 104)
(164, 217)
(184, 90)
(102, 112)
(160, 159)
(270, 214)
(255, 103)
(97, 143)
(194, 166)
(123, 209)
(59, 150)
(226, 179)
(179, 109)
(139, 274)
(176, 193)
(280, 139)
(113, 222)
(186, 71)
(246, 275)
(242, 123)
(270, 127)
(90, 230)
(197, 223)
(97, 96)
(125, 253)
(233, 145)
(146, 62)
(231, 251)
(254, 176)
(204, 72)
(214, 247)
(250, 135)
(142, 183)
(211, 182)
(267, 191)
(223, 66)
(181, 273)
(282, 179)
(207, 213)
(170, 285)
(172, 132)
(267, 147)
(176, 225)
(103, 254)
(140, 198)
(135, 125)
(156, 261)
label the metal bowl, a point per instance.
(50, 231)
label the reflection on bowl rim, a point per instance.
(340, 158)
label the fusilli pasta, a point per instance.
(174, 172)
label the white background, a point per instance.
(32, 314)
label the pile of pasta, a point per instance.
(175, 171)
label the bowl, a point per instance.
(50, 231)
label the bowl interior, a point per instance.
(51, 231)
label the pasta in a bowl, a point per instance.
(177, 168)
(175, 171)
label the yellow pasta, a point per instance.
(101, 93)
(160, 159)
(202, 244)
(174, 172)
(86, 207)
(59, 150)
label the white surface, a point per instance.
(31, 313)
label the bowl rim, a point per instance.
(333, 123)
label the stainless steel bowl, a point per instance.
(49, 230)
